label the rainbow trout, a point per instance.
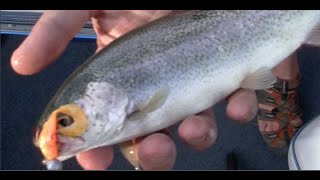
(174, 67)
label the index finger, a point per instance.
(47, 40)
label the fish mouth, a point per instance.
(62, 133)
(68, 146)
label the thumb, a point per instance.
(47, 40)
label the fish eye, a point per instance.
(64, 120)
(70, 119)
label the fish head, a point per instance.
(62, 132)
(91, 120)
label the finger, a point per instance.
(199, 131)
(242, 105)
(110, 24)
(156, 152)
(96, 159)
(47, 40)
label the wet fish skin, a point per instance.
(199, 57)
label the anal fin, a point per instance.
(128, 150)
(258, 80)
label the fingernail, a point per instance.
(198, 140)
(212, 135)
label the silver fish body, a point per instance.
(193, 59)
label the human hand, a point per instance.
(51, 35)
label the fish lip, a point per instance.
(66, 144)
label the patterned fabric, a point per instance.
(279, 115)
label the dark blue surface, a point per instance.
(23, 98)
(78, 36)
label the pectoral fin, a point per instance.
(153, 103)
(258, 80)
